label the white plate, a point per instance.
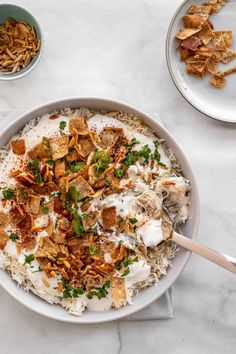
(216, 103)
(147, 296)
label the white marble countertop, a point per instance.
(117, 49)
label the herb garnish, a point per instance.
(8, 193)
(93, 250)
(78, 226)
(126, 262)
(102, 164)
(51, 162)
(69, 291)
(133, 220)
(14, 236)
(130, 157)
(37, 271)
(100, 292)
(97, 156)
(62, 125)
(119, 172)
(28, 259)
(145, 153)
(35, 169)
(73, 193)
(76, 166)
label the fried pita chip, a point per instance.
(195, 20)
(63, 183)
(225, 56)
(33, 204)
(79, 124)
(4, 219)
(206, 34)
(219, 42)
(90, 220)
(212, 65)
(109, 217)
(28, 241)
(187, 32)
(216, 5)
(199, 9)
(118, 292)
(72, 156)
(59, 146)
(41, 150)
(110, 135)
(227, 36)
(46, 246)
(86, 146)
(59, 168)
(18, 147)
(3, 239)
(217, 81)
(83, 187)
(191, 43)
(185, 53)
(15, 216)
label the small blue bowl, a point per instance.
(19, 14)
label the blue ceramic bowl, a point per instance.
(19, 13)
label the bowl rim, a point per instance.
(21, 74)
(75, 101)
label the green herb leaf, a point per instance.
(62, 125)
(108, 181)
(93, 250)
(133, 220)
(37, 271)
(102, 164)
(145, 152)
(69, 291)
(100, 292)
(35, 169)
(78, 227)
(74, 194)
(51, 162)
(28, 259)
(76, 166)
(14, 236)
(119, 172)
(8, 193)
(97, 156)
(126, 272)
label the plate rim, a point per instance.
(172, 75)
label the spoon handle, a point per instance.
(218, 258)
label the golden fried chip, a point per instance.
(118, 292)
(212, 65)
(33, 204)
(79, 124)
(4, 219)
(218, 42)
(83, 187)
(187, 32)
(226, 35)
(46, 246)
(195, 20)
(110, 135)
(41, 150)
(18, 147)
(206, 33)
(109, 217)
(63, 183)
(86, 146)
(217, 81)
(225, 56)
(185, 53)
(199, 9)
(72, 156)
(216, 5)
(191, 43)
(59, 146)
(3, 239)
(60, 168)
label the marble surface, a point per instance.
(117, 49)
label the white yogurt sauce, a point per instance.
(151, 233)
(139, 271)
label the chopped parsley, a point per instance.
(102, 164)
(70, 291)
(62, 125)
(93, 250)
(97, 156)
(126, 272)
(78, 227)
(45, 209)
(145, 152)
(76, 166)
(93, 230)
(35, 169)
(126, 262)
(8, 193)
(51, 162)
(14, 236)
(73, 193)
(119, 172)
(28, 259)
(108, 181)
(100, 292)
(131, 157)
(133, 220)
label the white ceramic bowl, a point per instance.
(146, 296)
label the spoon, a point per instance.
(213, 256)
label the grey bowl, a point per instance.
(19, 13)
(147, 296)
